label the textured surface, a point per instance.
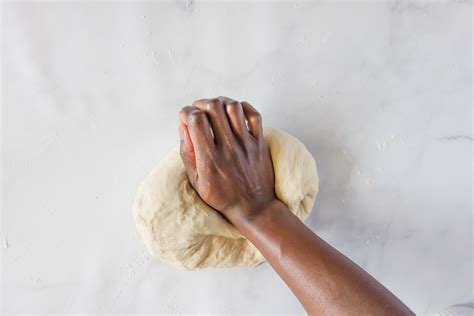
(177, 226)
(379, 92)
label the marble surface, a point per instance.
(380, 92)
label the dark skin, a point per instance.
(230, 167)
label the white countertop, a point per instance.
(381, 93)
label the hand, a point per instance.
(228, 164)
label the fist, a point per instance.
(226, 158)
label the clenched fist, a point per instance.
(226, 158)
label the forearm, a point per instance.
(324, 280)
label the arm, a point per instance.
(324, 280)
(229, 165)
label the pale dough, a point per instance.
(177, 226)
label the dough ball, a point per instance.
(178, 227)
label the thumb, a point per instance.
(186, 151)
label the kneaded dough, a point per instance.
(178, 227)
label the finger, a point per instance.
(254, 120)
(236, 116)
(184, 132)
(225, 99)
(186, 152)
(218, 119)
(199, 131)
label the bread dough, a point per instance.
(178, 227)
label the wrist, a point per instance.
(251, 217)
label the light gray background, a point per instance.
(380, 92)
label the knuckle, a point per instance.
(233, 107)
(225, 99)
(233, 104)
(214, 105)
(195, 118)
(256, 117)
(199, 103)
